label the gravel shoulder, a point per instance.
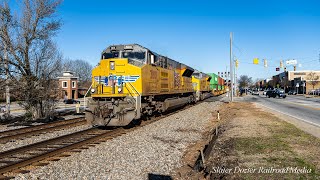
(156, 149)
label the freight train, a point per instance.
(132, 82)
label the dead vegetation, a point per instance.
(258, 143)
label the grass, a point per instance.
(278, 151)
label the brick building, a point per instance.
(298, 80)
(68, 85)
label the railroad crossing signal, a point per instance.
(277, 69)
(237, 63)
(256, 61)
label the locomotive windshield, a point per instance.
(134, 55)
(135, 58)
(110, 55)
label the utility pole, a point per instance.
(6, 66)
(227, 80)
(231, 69)
(235, 81)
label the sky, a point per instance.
(197, 33)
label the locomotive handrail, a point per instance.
(137, 99)
(136, 92)
(84, 98)
(129, 91)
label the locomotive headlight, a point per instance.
(93, 90)
(112, 65)
(119, 89)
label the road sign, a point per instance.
(292, 62)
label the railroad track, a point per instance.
(26, 132)
(39, 154)
(53, 149)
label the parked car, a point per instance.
(314, 92)
(255, 93)
(275, 93)
(264, 92)
(71, 101)
(2, 109)
(292, 92)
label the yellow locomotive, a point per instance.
(132, 81)
(201, 85)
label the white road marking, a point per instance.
(312, 123)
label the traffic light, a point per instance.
(237, 63)
(294, 68)
(265, 63)
(281, 64)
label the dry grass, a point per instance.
(260, 139)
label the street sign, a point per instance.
(277, 69)
(292, 62)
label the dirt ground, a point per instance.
(254, 144)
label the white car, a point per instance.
(264, 92)
(255, 92)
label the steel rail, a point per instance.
(47, 148)
(34, 130)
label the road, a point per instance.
(299, 107)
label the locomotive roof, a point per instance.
(122, 47)
(202, 73)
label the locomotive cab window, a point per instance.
(135, 58)
(110, 55)
(151, 58)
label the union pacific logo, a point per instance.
(109, 80)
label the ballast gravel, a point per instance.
(12, 126)
(156, 149)
(42, 137)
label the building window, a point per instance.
(64, 84)
(74, 83)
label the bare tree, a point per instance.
(244, 81)
(81, 67)
(271, 84)
(285, 83)
(32, 55)
(313, 79)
